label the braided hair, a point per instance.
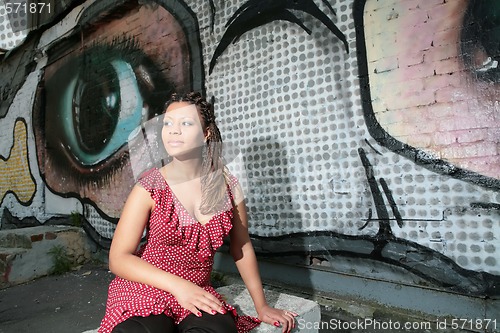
(213, 180)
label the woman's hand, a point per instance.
(195, 299)
(278, 318)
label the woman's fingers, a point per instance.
(214, 304)
(196, 299)
(287, 321)
(277, 317)
(207, 303)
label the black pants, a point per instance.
(207, 323)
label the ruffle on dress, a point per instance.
(204, 240)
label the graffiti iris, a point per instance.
(113, 98)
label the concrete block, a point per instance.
(309, 311)
(25, 254)
(7, 256)
(14, 240)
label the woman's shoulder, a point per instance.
(231, 179)
(235, 188)
(151, 179)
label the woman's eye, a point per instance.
(187, 123)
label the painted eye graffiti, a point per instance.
(102, 87)
(112, 98)
(95, 100)
(480, 39)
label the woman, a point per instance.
(187, 208)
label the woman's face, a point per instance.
(182, 134)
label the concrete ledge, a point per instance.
(24, 253)
(421, 302)
(237, 295)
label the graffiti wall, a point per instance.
(367, 132)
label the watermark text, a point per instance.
(387, 325)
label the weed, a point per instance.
(62, 262)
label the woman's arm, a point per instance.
(124, 263)
(243, 254)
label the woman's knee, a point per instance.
(208, 323)
(150, 324)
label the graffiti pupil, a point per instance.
(488, 14)
(481, 39)
(96, 109)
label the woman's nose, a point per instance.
(175, 129)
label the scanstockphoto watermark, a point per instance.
(387, 325)
(364, 324)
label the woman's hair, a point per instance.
(213, 176)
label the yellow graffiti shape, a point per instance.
(14, 170)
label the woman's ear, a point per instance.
(207, 134)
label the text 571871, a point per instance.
(24, 8)
(479, 324)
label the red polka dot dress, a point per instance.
(178, 244)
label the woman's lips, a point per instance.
(175, 143)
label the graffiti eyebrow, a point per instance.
(255, 13)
